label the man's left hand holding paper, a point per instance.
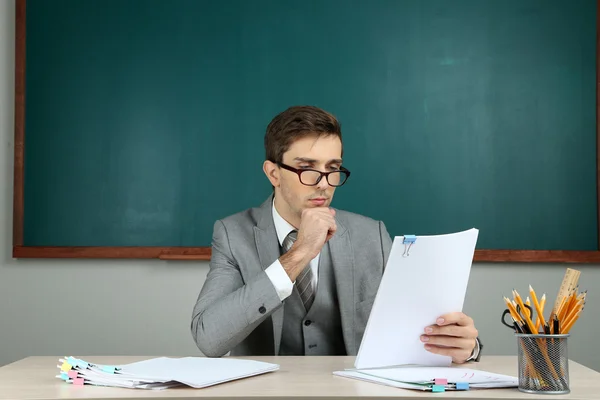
(453, 335)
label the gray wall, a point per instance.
(143, 307)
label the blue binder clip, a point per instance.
(408, 241)
(438, 388)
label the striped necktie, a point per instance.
(304, 280)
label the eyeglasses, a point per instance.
(312, 177)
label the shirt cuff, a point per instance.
(280, 279)
(476, 351)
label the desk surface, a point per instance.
(297, 378)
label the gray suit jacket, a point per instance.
(238, 309)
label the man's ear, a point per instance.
(272, 172)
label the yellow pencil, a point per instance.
(570, 323)
(526, 315)
(539, 320)
(561, 308)
(574, 308)
(538, 308)
(513, 311)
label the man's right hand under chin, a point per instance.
(317, 226)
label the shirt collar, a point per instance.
(282, 227)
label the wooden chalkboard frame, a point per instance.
(203, 253)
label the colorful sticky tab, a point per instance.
(64, 376)
(66, 367)
(438, 388)
(109, 369)
(78, 381)
(72, 374)
(440, 381)
(409, 239)
(462, 385)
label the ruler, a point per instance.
(568, 285)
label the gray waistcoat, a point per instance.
(318, 332)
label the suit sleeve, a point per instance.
(386, 243)
(229, 309)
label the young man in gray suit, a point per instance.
(295, 276)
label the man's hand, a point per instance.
(317, 226)
(454, 335)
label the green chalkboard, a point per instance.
(144, 120)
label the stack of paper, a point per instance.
(436, 379)
(161, 373)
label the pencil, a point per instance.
(542, 304)
(513, 311)
(568, 304)
(538, 309)
(575, 308)
(570, 323)
(527, 319)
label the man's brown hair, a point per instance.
(295, 123)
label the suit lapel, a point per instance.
(267, 245)
(343, 269)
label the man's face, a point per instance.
(323, 153)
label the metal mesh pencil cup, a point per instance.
(543, 363)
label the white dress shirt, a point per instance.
(275, 272)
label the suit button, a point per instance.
(307, 322)
(262, 310)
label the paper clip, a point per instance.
(408, 241)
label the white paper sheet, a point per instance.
(374, 379)
(163, 372)
(453, 375)
(420, 378)
(198, 372)
(415, 290)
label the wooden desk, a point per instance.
(298, 378)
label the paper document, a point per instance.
(424, 278)
(422, 375)
(355, 374)
(162, 372)
(426, 378)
